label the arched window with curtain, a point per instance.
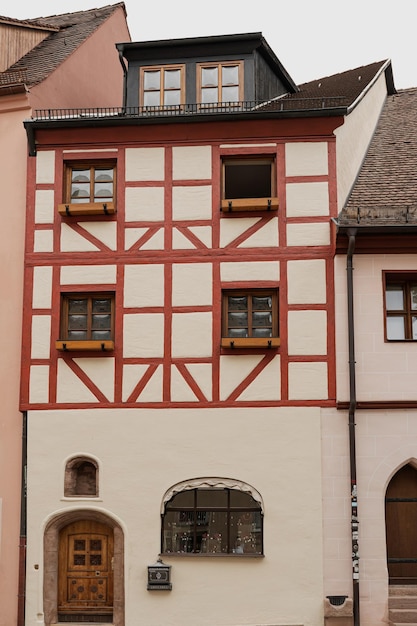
(212, 516)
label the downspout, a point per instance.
(22, 541)
(352, 435)
(123, 64)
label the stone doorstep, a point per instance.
(402, 602)
(402, 590)
(403, 616)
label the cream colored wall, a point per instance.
(277, 451)
(353, 137)
(13, 110)
(384, 371)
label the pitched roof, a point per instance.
(73, 30)
(385, 191)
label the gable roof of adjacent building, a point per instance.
(66, 33)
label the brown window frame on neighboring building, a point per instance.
(91, 203)
(230, 333)
(249, 183)
(69, 340)
(404, 283)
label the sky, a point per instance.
(311, 38)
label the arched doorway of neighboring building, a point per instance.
(401, 526)
(84, 564)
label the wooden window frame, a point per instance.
(68, 208)
(250, 342)
(219, 65)
(406, 280)
(193, 524)
(87, 344)
(267, 203)
(162, 69)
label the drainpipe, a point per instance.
(123, 64)
(352, 438)
(22, 542)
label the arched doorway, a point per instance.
(85, 575)
(401, 526)
(84, 569)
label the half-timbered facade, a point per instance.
(179, 347)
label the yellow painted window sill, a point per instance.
(250, 342)
(92, 346)
(87, 208)
(249, 204)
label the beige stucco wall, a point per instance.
(277, 451)
(13, 111)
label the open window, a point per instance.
(249, 184)
(401, 306)
(250, 319)
(87, 322)
(212, 520)
(89, 189)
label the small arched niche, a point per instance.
(81, 477)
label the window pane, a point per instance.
(214, 541)
(237, 332)
(77, 335)
(209, 76)
(230, 94)
(103, 190)
(395, 327)
(230, 75)
(80, 176)
(172, 79)
(261, 332)
(151, 99)
(212, 498)
(183, 499)
(77, 306)
(246, 533)
(247, 180)
(152, 80)
(262, 319)
(414, 327)
(242, 499)
(238, 319)
(209, 96)
(238, 303)
(263, 303)
(172, 98)
(80, 191)
(101, 322)
(413, 297)
(394, 298)
(77, 322)
(102, 305)
(103, 175)
(101, 335)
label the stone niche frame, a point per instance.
(51, 551)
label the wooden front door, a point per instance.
(85, 580)
(401, 526)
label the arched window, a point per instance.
(212, 516)
(81, 477)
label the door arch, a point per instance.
(86, 547)
(401, 526)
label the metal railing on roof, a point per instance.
(184, 110)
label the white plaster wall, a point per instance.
(307, 332)
(353, 137)
(384, 371)
(304, 158)
(144, 204)
(41, 336)
(191, 203)
(143, 458)
(192, 335)
(44, 205)
(191, 163)
(45, 167)
(144, 285)
(268, 270)
(307, 282)
(307, 199)
(308, 234)
(307, 381)
(97, 274)
(192, 284)
(43, 241)
(143, 335)
(144, 164)
(42, 287)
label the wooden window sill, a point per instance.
(85, 346)
(87, 208)
(249, 204)
(250, 342)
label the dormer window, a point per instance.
(220, 82)
(162, 86)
